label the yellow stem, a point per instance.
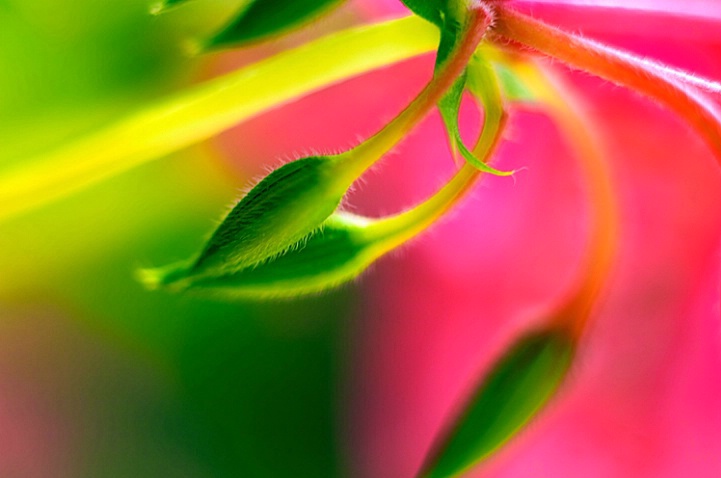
(205, 110)
(395, 230)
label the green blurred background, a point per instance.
(98, 377)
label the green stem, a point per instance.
(354, 162)
(205, 110)
(395, 230)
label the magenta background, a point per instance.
(644, 398)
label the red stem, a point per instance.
(613, 65)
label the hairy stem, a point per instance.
(614, 65)
(357, 160)
(398, 229)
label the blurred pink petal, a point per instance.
(645, 396)
(440, 312)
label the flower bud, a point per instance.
(520, 383)
(287, 205)
(335, 254)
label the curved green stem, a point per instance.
(354, 162)
(395, 230)
(530, 372)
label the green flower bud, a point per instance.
(279, 211)
(519, 384)
(294, 200)
(332, 255)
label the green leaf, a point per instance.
(482, 83)
(447, 15)
(517, 387)
(338, 252)
(449, 108)
(264, 18)
(430, 10)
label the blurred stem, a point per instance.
(617, 66)
(568, 113)
(531, 370)
(205, 110)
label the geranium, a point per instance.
(580, 290)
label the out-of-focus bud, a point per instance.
(525, 377)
